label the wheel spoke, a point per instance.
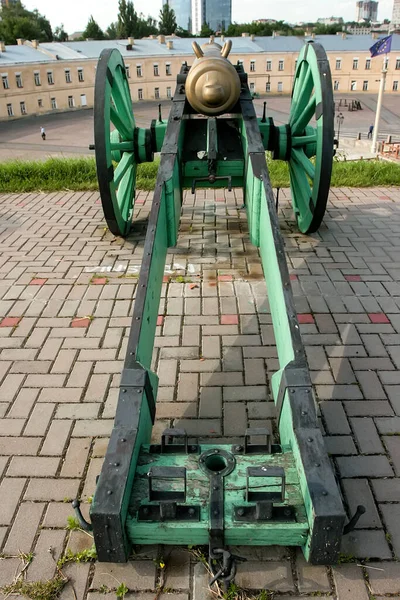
(301, 190)
(123, 165)
(121, 98)
(126, 191)
(119, 124)
(303, 140)
(305, 87)
(304, 162)
(305, 117)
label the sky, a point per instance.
(74, 14)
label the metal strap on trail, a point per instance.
(293, 376)
(138, 377)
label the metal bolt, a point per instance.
(292, 390)
(238, 448)
(324, 493)
(116, 464)
(109, 492)
(310, 439)
(145, 511)
(191, 511)
(202, 460)
(304, 413)
(215, 513)
(287, 512)
(123, 440)
(216, 451)
(317, 464)
(240, 512)
(193, 448)
(215, 488)
(263, 468)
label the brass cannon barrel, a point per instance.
(213, 85)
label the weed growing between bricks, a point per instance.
(35, 590)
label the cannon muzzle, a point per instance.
(213, 84)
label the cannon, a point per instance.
(266, 490)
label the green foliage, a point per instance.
(37, 590)
(127, 19)
(345, 558)
(72, 523)
(59, 34)
(112, 31)
(18, 22)
(206, 30)
(93, 30)
(86, 555)
(121, 591)
(167, 20)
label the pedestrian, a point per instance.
(370, 130)
(43, 133)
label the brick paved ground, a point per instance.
(66, 293)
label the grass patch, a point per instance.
(78, 174)
(37, 590)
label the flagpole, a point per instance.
(379, 106)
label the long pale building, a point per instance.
(41, 78)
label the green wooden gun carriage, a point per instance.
(180, 491)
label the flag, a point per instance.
(382, 46)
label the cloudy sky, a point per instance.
(75, 13)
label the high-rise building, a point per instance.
(183, 12)
(366, 11)
(216, 13)
(396, 13)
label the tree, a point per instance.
(18, 22)
(112, 31)
(127, 20)
(167, 20)
(59, 34)
(93, 30)
(206, 30)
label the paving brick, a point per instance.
(235, 418)
(10, 492)
(311, 578)
(248, 392)
(254, 371)
(357, 491)
(167, 372)
(221, 379)
(372, 408)
(199, 427)
(10, 387)
(367, 436)
(23, 530)
(342, 371)
(340, 445)
(370, 385)
(56, 438)
(33, 466)
(136, 575)
(255, 576)
(364, 466)
(10, 446)
(210, 402)
(384, 578)
(388, 426)
(200, 366)
(335, 417)
(366, 543)
(391, 516)
(43, 566)
(11, 427)
(76, 457)
(57, 514)
(349, 582)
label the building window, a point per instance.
(252, 66)
(268, 87)
(295, 65)
(168, 69)
(281, 65)
(338, 64)
(23, 108)
(127, 72)
(53, 103)
(397, 64)
(71, 102)
(68, 76)
(367, 64)
(353, 86)
(80, 74)
(336, 86)
(280, 86)
(365, 86)
(355, 64)
(50, 79)
(252, 87)
(139, 72)
(169, 92)
(269, 65)
(156, 72)
(157, 93)
(40, 103)
(140, 94)
(10, 110)
(36, 77)
(395, 86)
(386, 63)
(18, 79)
(4, 79)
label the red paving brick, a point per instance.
(305, 319)
(378, 318)
(229, 319)
(81, 322)
(10, 321)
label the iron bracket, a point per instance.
(168, 447)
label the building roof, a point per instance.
(59, 51)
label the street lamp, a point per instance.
(339, 120)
